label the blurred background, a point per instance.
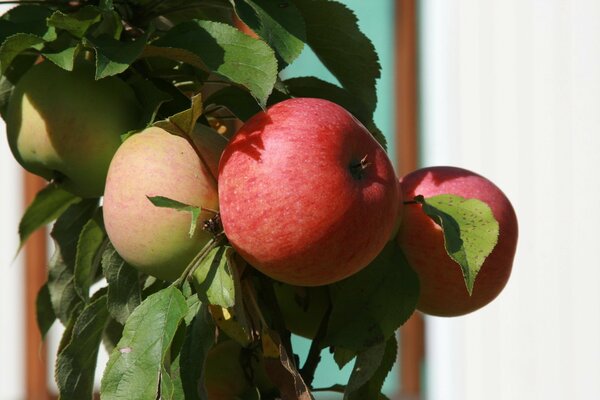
(509, 89)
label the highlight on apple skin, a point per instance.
(307, 195)
(156, 240)
(56, 129)
(442, 286)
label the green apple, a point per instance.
(66, 126)
(154, 239)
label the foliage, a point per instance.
(191, 65)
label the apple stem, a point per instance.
(213, 225)
(358, 169)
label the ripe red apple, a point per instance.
(156, 240)
(443, 290)
(66, 126)
(307, 195)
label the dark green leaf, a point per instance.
(200, 337)
(134, 367)
(281, 27)
(183, 123)
(222, 49)
(44, 312)
(124, 291)
(214, 278)
(370, 305)
(62, 52)
(61, 273)
(150, 98)
(470, 230)
(370, 370)
(237, 100)
(26, 18)
(89, 252)
(76, 363)
(76, 23)
(332, 32)
(113, 331)
(15, 45)
(343, 356)
(48, 204)
(114, 56)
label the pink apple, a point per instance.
(156, 240)
(307, 195)
(443, 290)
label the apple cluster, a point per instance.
(304, 192)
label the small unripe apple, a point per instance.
(303, 308)
(442, 287)
(67, 126)
(307, 195)
(154, 239)
(232, 371)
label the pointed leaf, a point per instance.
(237, 100)
(332, 32)
(183, 123)
(124, 289)
(281, 27)
(114, 56)
(165, 202)
(48, 204)
(370, 305)
(222, 49)
(76, 23)
(61, 273)
(15, 45)
(214, 277)
(150, 98)
(134, 367)
(76, 363)
(89, 252)
(343, 356)
(470, 230)
(44, 312)
(370, 370)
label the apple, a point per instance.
(232, 371)
(307, 195)
(302, 308)
(443, 291)
(66, 126)
(154, 239)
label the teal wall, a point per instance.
(376, 19)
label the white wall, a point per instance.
(511, 89)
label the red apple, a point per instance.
(443, 290)
(156, 240)
(307, 195)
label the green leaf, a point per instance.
(45, 316)
(114, 56)
(150, 98)
(165, 202)
(214, 278)
(48, 204)
(281, 27)
(199, 338)
(134, 367)
(183, 123)
(26, 18)
(470, 230)
(124, 289)
(15, 45)
(76, 23)
(76, 363)
(332, 32)
(343, 356)
(62, 52)
(311, 86)
(61, 274)
(89, 252)
(369, 306)
(237, 100)
(370, 370)
(222, 49)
